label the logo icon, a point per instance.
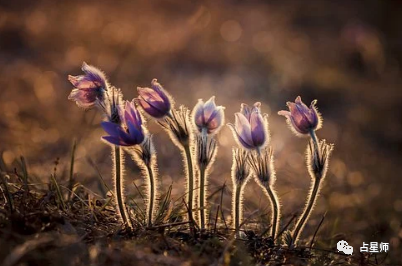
(344, 247)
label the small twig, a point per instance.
(216, 217)
(58, 191)
(221, 204)
(191, 222)
(139, 191)
(316, 231)
(71, 178)
(102, 188)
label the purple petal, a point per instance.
(149, 109)
(126, 138)
(94, 74)
(113, 140)
(198, 114)
(82, 98)
(209, 109)
(111, 128)
(217, 121)
(162, 93)
(245, 110)
(243, 130)
(257, 129)
(135, 135)
(149, 94)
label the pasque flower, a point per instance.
(155, 100)
(207, 116)
(89, 88)
(250, 128)
(302, 119)
(130, 131)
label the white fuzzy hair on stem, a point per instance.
(317, 160)
(144, 156)
(118, 181)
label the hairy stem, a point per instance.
(117, 154)
(275, 211)
(190, 181)
(151, 196)
(306, 213)
(315, 143)
(202, 197)
(237, 214)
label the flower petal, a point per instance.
(243, 130)
(217, 120)
(258, 132)
(162, 93)
(111, 128)
(284, 113)
(114, 140)
(245, 110)
(136, 136)
(209, 109)
(198, 114)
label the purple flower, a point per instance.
(89, 88)
(207, 116)
(302, 119)
(130, 132)
(155, 100)
(250, 128)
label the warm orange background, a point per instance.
(346, 54)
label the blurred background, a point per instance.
(346, 54)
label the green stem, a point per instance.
(202, 197)
(190, 182)
(306, 213)
(151, 195)
(119, 186)
(275, 211)
(237, 213)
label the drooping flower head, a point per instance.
(251, 128)
(302, 119)
(130, 132)
(155, 101)
(207, 116)
(89, 88)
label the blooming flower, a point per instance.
(130, 132)
(155, 100)
(302, 119)
(207, 116)
(89, 88)
(250, 128)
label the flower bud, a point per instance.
(155, 101)
(207, 116)
(302, 119)
(89, 88)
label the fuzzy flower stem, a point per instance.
(190, 171)
(151, 194)
(237, 210)
(306, 213)
(202, 186)
(275, 211)
(202, 197)
(118, 159)
(312, 196)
